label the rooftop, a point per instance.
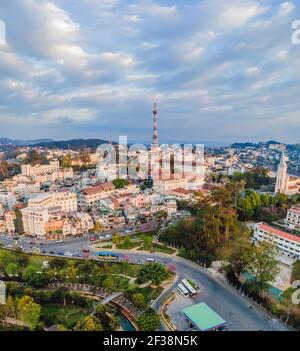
(278, 232)
(203, 317)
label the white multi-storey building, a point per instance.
(66, 200)
(34, 220)
(36, 216)
(286, 243)
(293, 218)
(93, 194)
(36, 170)
(8, 200)
(10, 217)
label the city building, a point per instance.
(36, 170)
(45, 212)
(93, 194)
(10, 218)
(45, 173)
(67, 201)
(203, 318)
(8, 200)
(285, 184)
(293, 218)
(285, 243)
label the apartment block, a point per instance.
(93, 194)
(36, 170)
(66, 200)
(293, 218)
(285, 243)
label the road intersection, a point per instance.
(239, 311)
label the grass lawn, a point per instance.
(34, 260)
(162, 248)
(72, 313)
(150, 293)
(141, 236)
(296, 271)
(159, 248)
(131, 270)
(37, 261)
(133, 245)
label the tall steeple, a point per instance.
(155, 133)
(282, 177)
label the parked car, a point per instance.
(69, 254)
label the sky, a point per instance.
(219, 70)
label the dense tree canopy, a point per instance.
(149, 320)
(152, 272)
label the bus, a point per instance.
(192, 291)
(150, 260)
(183, 291)
(108, 256)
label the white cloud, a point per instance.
(100, 64)
(252, 71)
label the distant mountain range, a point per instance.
(7, 141)
(73, 144)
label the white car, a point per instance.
(36, 250)
(69, 254)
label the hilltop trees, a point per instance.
(260, 261)
(120, 183)
(29, 311)
(66, 161)
(89, 323)
(148, 321)
(262, 207)
(153, 272)
(212, 229)
(253, 179)
(98, 227)
(138, 299)
(263, 265)
(84, 156)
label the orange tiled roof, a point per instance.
(278, 232)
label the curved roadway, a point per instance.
(223, 298)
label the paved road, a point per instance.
(214, 291)
(226, 300)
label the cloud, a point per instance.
(219, 70)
